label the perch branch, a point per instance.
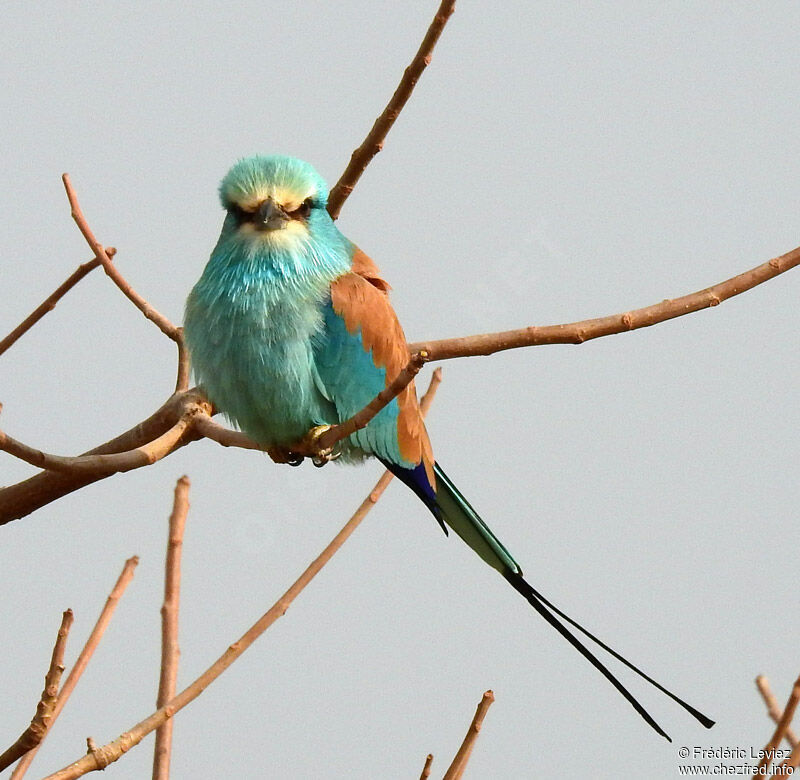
(44, 717)
(773, 708)
(361, 418)
(210, 429)
(31, 494)
(101, 465)
(85, 655)
(459, 764)
(373, 143)
(21, 499)
(579, 332)
(101, 757)
(50, 302)
(170, 650)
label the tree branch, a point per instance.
(373, 143)
(31, 494)
(101, 255)
(459, 764)
(44, 717)
(100, 466)
(50, 302)
(579, 332)
(426, 770)
(85, 656)
(780, 729)
(192, 421)
(361, 419)
(101, 757)
(773, 708)
(19, 500)
(170, 650)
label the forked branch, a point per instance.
(83, 659)
(101, 757)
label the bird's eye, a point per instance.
(240, 214)
(303, 210)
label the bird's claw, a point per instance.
(285, 455)
(320, 457)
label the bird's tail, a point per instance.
(456, 511)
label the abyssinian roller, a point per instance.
(290, 328)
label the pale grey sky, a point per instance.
(558, 161)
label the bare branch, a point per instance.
(578, 332)
(101, 757)
(373, 143)
(50, 302)
(19, 500)
(426, 770)
(184, 363)
(792, 761)
(100, 465)
(31, 494)
(780, 729)
(459, 764)
(102, 256)
(227, 438)
(205, 426)
(773, 708)
(44, 717)
(170, 650)
(85, 656)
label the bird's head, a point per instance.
(273, 199)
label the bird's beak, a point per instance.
(270, 216)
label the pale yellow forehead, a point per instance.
(288, 197)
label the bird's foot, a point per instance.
(284, 455)
(311, 443)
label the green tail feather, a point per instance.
(456, 512)
(464, 520)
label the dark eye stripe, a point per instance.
(241, 215)
(303, 210)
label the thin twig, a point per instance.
(773, 708)
(579, 332)
(101, 254)
(170, 650)
(42, 720)
(85, 656)
(780, 729)
(50, 302)
(373, 143)
(459, 764)
(103, 756)
(426, 770)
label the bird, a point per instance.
(290, 331)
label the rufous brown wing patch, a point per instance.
(361, 299)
